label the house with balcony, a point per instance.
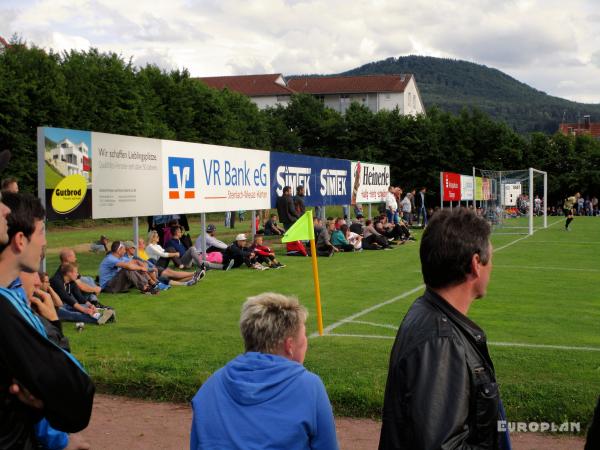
(585, 127)
(69, 158)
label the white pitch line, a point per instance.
(497, 344)
(572, 269)
(333, 326)
(373, 324)
(368, 310)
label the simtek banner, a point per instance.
(326, 181)
(370, 182)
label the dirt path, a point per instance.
(122, 423)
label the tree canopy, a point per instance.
(91, 90)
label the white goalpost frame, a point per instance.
(531, 198)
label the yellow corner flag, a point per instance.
(303, 230)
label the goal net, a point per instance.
(513, 201)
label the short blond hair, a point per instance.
(268, 319)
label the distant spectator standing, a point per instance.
(421, 207)
(10, 184)
(391, 205)
(299, 201)
(285, 208)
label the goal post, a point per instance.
(513, 201)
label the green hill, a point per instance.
(452, 85)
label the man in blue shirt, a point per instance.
(187, 256)
(119, 275)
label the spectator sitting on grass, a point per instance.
(372, 239)
(339, 240)
(324, 245)
(100, 245)
(118, 275)
(186, 256)
(75, 308)
(271, 227)
(318, 226)
(265, 398)
(86, 284)
(264, 254)
(358, 225)
(164, 275)
(296, 248)
(238, 253)
(353, 239)
(212, 243)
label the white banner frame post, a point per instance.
(254, 230)
(136, 233)
(203, 236)
(370, 212)
(441, 190)
(530, 201)
(474, 191)
(545, 202)
(41, 178)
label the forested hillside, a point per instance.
(452, 85)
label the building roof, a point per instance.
(350, 84)
(250, 85)
(580, 128)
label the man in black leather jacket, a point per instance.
(441, 389)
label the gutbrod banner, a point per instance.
(370, 182)
(326, 181)
(65, 172)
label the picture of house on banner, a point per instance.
(69, 158)
(376, 92)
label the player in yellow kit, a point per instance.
(568, 206)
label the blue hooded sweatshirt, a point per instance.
(262, 401)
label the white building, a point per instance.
(377, 92)
(69, 158)
(264, 90)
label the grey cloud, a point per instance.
(161, 59)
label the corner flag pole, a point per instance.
(303, 230)
(315, 267)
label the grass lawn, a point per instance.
(52, 176)
(541, 316)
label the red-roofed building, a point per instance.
(377, 92)
(587, 127)
(264, 90)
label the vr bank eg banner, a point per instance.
(370, 182)
(211, 178)
(326, 181)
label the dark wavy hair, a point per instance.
(449, 242)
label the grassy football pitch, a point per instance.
(541, 316)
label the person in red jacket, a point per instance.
(264, 254)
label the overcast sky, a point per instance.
(551, 45)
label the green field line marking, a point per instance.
(334, 325)
(497, 344)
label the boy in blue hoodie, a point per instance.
(265, 397)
